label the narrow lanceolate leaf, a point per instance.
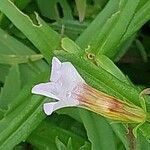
(141, 17)
(4, 21)
(104, 62)
(19, 59)
(81, 8)
(70, 46)
(118, 30)
(121, 131)
(40, 34)
(95, 125)
(11, 87)
(60, 145)
(84, 39)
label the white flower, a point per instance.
(69, 89)
(64, 81)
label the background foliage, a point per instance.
(102, 39)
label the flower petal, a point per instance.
(56, 65)
(68, 70)
(69, 79)
(50, 107)
(47, 89)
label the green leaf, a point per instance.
(118, 30)
(72, 112)
(95, 126)
(19, 59)
(54, 131)
(96, 25)
(81, 8)
(60, 145)
(11, 46)
(40, 34)
(4, 21)
(142, 143)
(69, 144)
(70, 46)
(11, 87)
(121, 131)
(145, 130)
(96, 43)
(139, 19)
(51, 9)
(104, 62)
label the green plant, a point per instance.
(27, 44)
